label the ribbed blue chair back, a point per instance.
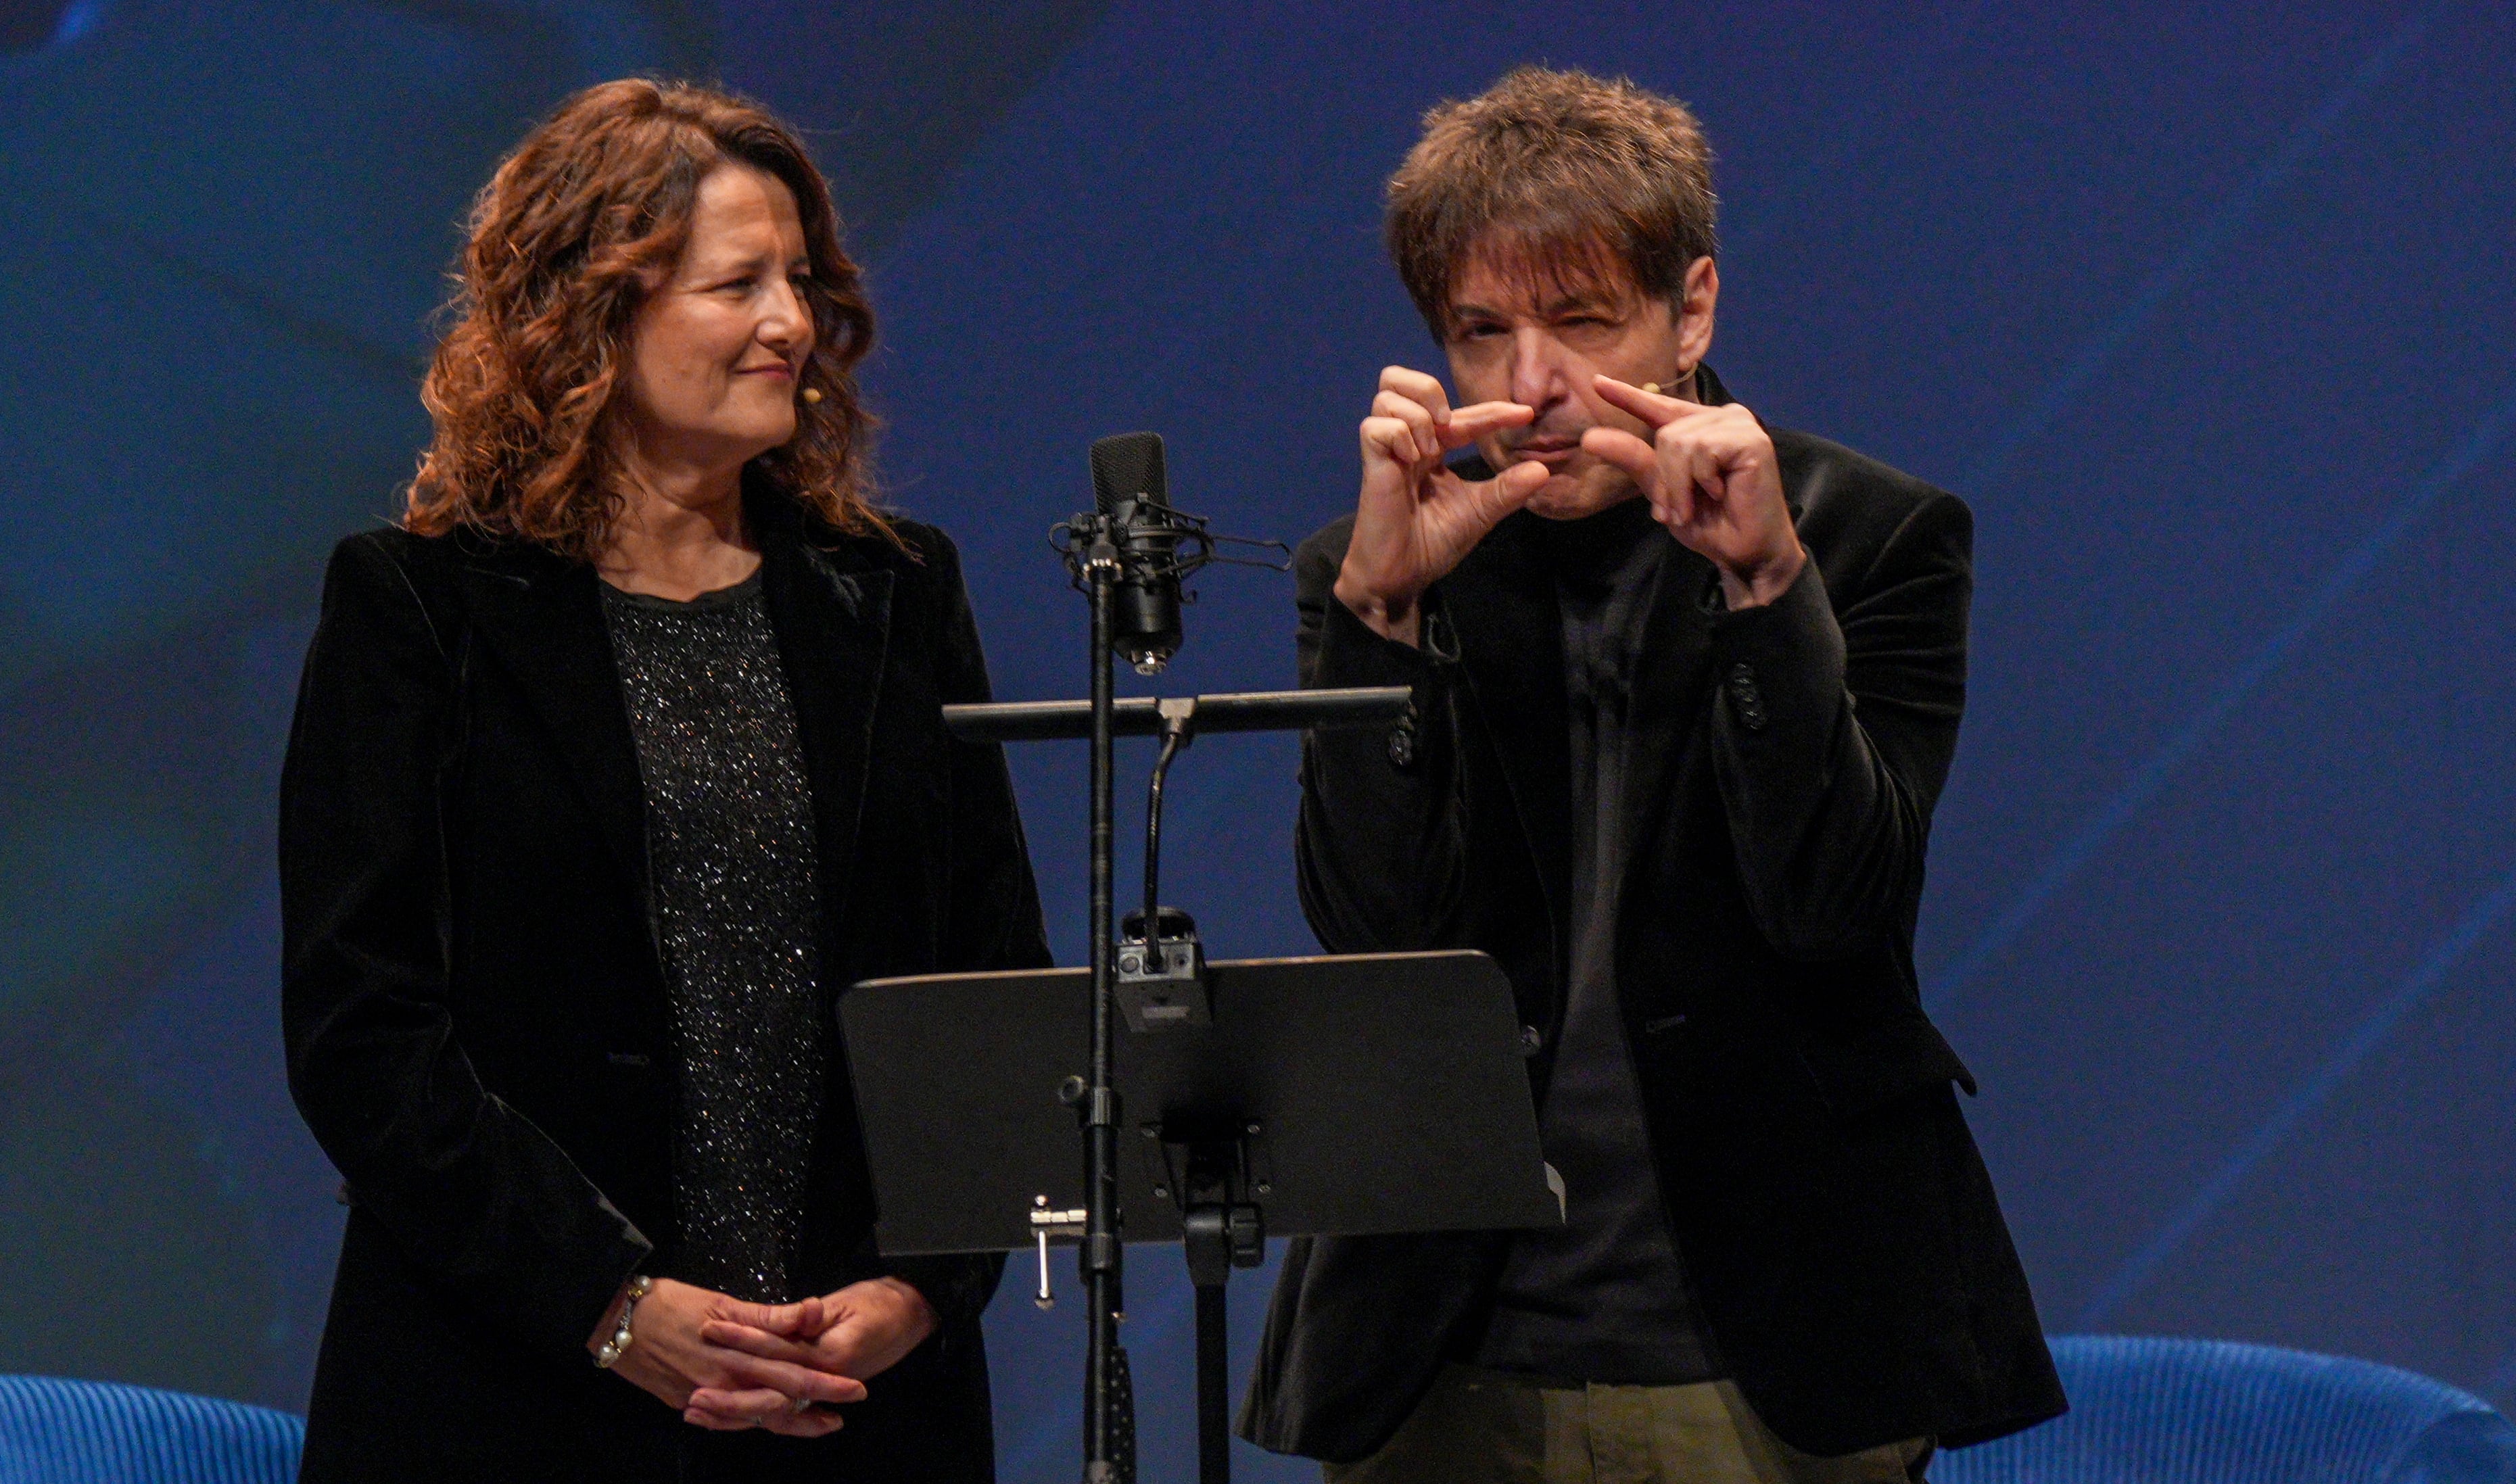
(56, 1431)
(2205, 1412)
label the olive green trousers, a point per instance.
(1492, 1427)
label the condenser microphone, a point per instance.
(1130, 488)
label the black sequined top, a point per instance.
(730, 859)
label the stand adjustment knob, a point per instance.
(1046, 1223)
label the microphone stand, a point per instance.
(1108, 1442)
(1222, 1226)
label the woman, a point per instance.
(610, 766)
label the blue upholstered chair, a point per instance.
(95, 1432)
(2203, 1411)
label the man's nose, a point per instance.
(1537, 372)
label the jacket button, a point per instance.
(1402, 740)
(1746, 702)
(1530, 1041)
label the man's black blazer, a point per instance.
(1850, 1260)
(475, 1017)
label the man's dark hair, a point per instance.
(1556, 174)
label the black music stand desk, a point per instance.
(1325, 1096)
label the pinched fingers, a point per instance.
(1481, 505)
(1425, 391)
(1652, 407)
(1473, 422)
(1693, 462)
(1511, 489)
(1637, 457)
(1420, 404)
(1712, 438)
(1406, 433)
(1697, 445)
(1417, 417)
(1389, 438)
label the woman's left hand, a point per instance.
(859, 1331)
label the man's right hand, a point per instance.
(1416, 520)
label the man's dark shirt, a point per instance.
(1601, 1297)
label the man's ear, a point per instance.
(1695, 311)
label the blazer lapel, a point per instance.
(1500, 602)
(542, 618)
(1669, 684)
(834, 620)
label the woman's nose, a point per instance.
(788, 321)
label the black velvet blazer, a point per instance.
(474, 1011)
(1834, 1215)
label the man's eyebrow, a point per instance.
(1569, 301)
(1584, 299)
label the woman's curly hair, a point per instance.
(576, 227)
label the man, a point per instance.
(1686, 689)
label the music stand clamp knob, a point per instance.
(1044, 1225)
(1220, 1238)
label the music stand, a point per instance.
(1327, 1096)
(1129, 556)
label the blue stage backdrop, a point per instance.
(2208, 316)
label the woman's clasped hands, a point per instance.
(728, 1364)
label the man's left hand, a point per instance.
(1711, 478)
(859, 1331)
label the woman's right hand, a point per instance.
(668, 1359)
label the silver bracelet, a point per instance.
(609, 1353)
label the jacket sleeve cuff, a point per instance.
(1352, 655)
(956, 1288)
(1419, 744)
(1780, 668)
(565, 1318)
